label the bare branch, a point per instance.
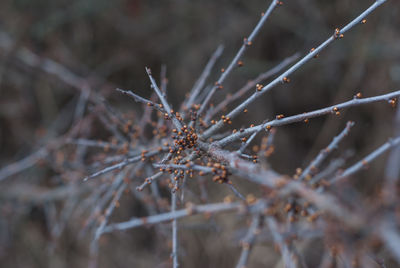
(209, 208)
(137, 98)
(235, 61)
(194, 93)
(248, 241)
(250, 85)
(324, 152)
(365, 161)
(124, 163)
(305, 116)
(284, 76)
(163, 100)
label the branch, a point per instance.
(286, 255)
(124, 163)
(248, 241)
(200, 82)
(324, 152)
(174, 253)
(148, 181)
(250, 85)
(284, 76)
(304, 116)
(391, 238)
(163, 100)
(163, 217)
(139, 99)
(365, 161)
(235, 61)
(392, 170)
(23, 164)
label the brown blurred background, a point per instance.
(113, 41)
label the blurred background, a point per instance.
(106, 44)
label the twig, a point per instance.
(22, 164)
(163, 100)
(329, 170)
(174, 228)
(94, 246)
(392, 170)
(124, 163)
(248, 241)
(163, 217)
(247, 42)
(324, 152)
(365, 161)
(391, 238)
(189, 166)
(194, 92)
(137, 98)
(93, 143)
(304, 116)
(148, 181)
(248, 141)
(250, 85)
(284, 76)
(236, 191)
(109, 211)
(286, 255)
(111, 126)
(163, 79)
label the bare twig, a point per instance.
(163, 100)
(124, 163)
(174, 253)
(284, 76)
(209, 208)
(149, 181)
(235, 61)
(392, 143)
(250, 85)
(194, 93)
(304, 116)
(137, 98)
(324, 152)
(248, 241)
(286, 254)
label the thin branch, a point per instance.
(94, 245)
(391, 238)
(124, 163)
(369, 158)
(108, 212)
(149, 181)
(163, 217)
(163, 100)
(22, 164)
(286, 255)
(247, 42)
(139, 99)
(174, 253)
(236, 191)
(248, 141)
(189, 166)
(250, 85)
(248, 241)
(284, 76)
(305, 116)
(163, 79)
(194, 92)
(392, 170)
(325, 152)
(329, 170)
(93, 143)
